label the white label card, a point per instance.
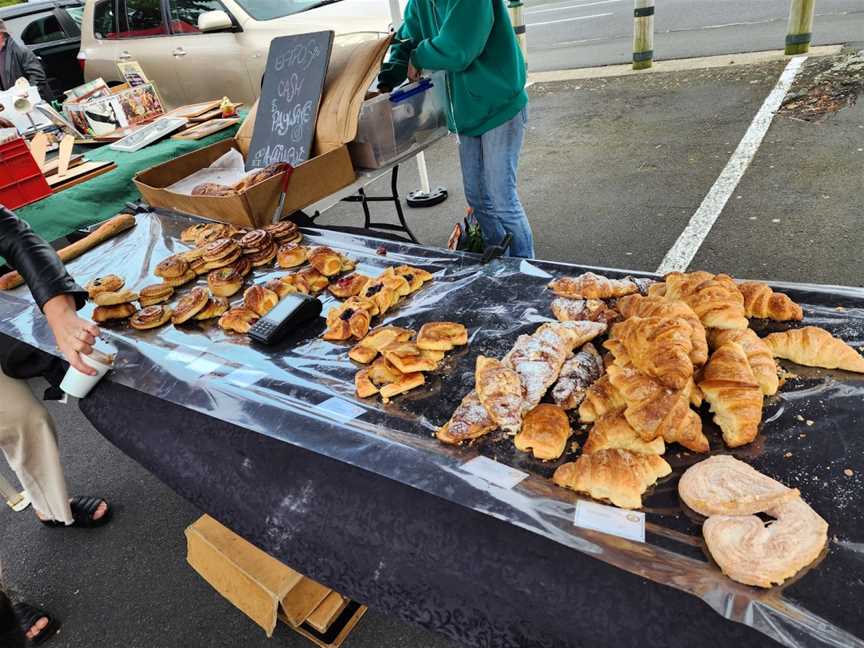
(340, 409)
(493, 472)
(202, 366)
(611, 520)
(245, 377)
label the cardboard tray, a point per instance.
(351, 71)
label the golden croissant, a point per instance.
(657, 346)
(592, 286)
(733, 393)
(716, 300)
(639, 306)
(761, 301)
(758, 355)
(616, 475)
(500, 390)
(600, 399)
(815, 347)
(613, 431)
(657, 411)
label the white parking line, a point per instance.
(576, 6)
(563, 20)
(679, 257)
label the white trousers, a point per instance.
(29, 441)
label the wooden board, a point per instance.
(50, 167)
(207, 116)
(194, 110)
(81, 173)
(207, 128)
(326, 613)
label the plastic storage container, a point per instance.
(21, 180)
(393, 124)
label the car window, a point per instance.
(43, 30)
(76, 14)
(144, 18)
(16, 26)
(184, 13)
(270, 9)
(104, 25)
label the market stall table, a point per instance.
(360, 496)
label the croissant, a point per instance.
(469, 421)
(815, 347)
(752, 553)
(545, 431)
(500, 390)
(716, 300)
(572, 310)
(761, 301)
(656, 411)
(758, 355)
(613, 431)
(600, 399)
(724, 485)
(592, 286)
(638, 306)
(659, 347)
(733, 393)
(616, 475)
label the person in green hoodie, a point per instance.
(474, 43)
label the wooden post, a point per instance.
(518, 20)
(643, 34)
(800, 29)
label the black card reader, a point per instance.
(293, 311)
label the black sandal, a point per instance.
(83, 508)
(28, 616)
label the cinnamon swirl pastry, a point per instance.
(115, 298)
(184, 279)
(190, 305)
(150, 317)
(256, 241)
(213, 189)
(225, 282)
(106, 313)
(172, 267)
(262, 258)
(155, 294)
(243, 265)
(108, 283)
(216, 307)
(283, 232)
(220, 249)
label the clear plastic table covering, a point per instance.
(302, 392)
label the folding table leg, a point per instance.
(16, 501)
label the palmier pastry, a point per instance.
(256, 241)
(442, 336)
(225, 282)
(172, 267)
(283, 232)
(313, 280)
(281, 288)
(115, 298)
(325, 261)
(238, 320)
(190, 305)
(184, 279)
(243, 265)
(215, 307)
(260, 299)
(263, 257)
(118, 312)
(108, 283)
(191, 233)
(291, 255)
(213, 189)
(150, 317)
(155, 294)
(349, 286)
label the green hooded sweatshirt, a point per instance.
(474, 43)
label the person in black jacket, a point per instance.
(27, 434)
(17, 61)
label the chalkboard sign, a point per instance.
(290, 96)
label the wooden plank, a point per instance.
(302, 600)
(326, 613)
(340, 637)
(194, 110)
(79, 174)
(39, 148)
(213, 114)
(207, 128)
(65, 154)
(50, 167)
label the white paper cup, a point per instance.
(78, 384)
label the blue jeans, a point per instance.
(489, 165)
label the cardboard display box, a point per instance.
(351, 71)
(265, 589)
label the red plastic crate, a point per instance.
(21, 180)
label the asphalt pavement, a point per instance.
(612, 171)
(582, 33)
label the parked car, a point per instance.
(197, 50)
(53, 31)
